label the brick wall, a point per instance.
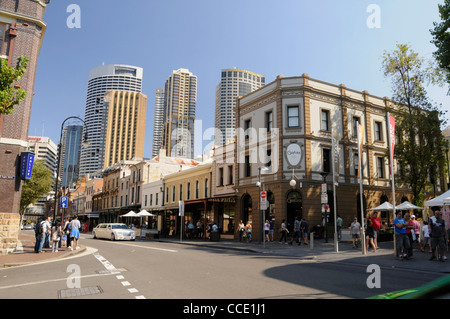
(14, 127)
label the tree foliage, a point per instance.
(35, 188)
(10, 95)
(441, 38)
(420, 146)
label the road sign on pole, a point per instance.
(64, 201)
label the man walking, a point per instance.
(401, 239)
(438, 235)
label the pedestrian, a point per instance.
(74, 232)
(248, 232)
(355, 231)
(39, 235)
(409, 233)
(376, 225)
(438, 235)
(416, 229)
(304, 229)
(56, 236)
(339, 223)
(426, 237)
(66, 230)
(241, 230)
(370, 236)
(271, 229)
(283, 231)
(401, 239)
(266, 230)
(47, 232)
(296, 232)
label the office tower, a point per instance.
(233, 83)
(158, 122)
(22, 28)
(70, 155)
(125, 133)
(45, 150)
(103, 79)
(180, 99)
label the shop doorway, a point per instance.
(294, 208)
(246, 209)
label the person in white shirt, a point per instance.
(426, 237)
(75, 226)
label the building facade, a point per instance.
(103, 79)
(125, 133)
(22, 29)
(158, 122)
(233, 83)
(180, 100)
(45, 150)
(285, 133)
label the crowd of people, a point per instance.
(53, 234)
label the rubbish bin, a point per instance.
(215, 236)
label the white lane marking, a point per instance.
(51, 280)
(114, 270)
(146, 247)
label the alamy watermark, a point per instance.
(74, 19)
(374, 19)
(374, 279)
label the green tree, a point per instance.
(36, 187)
(420, 145)
(11, 95)
(441, 38)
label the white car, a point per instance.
(114, 231)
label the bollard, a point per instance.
(311, 240)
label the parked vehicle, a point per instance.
(113, 231)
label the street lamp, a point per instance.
(261, 168)
(85, 144)
(293, 182)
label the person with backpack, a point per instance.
(40, 230)
(38, 235)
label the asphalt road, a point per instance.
(158, 270)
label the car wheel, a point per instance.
(95, 236)
(113, 237)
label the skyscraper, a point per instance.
(180, 99)
(125, 133)
(234, 82)
(103, 79)
(70, 155)
(158, 122)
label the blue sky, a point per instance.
(328, 39)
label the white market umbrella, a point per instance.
(407, 205)
(130, 214)
(145, 213)
(384, 207)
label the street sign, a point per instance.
(263, 198)
(324, 198)
(64, 200)
(181, 208)
(26, 165)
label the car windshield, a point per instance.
(120, 226)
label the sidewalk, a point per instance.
(25, 253)
(320, 252)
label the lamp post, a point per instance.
(84, 143)
(261, 233)
(324, 211)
